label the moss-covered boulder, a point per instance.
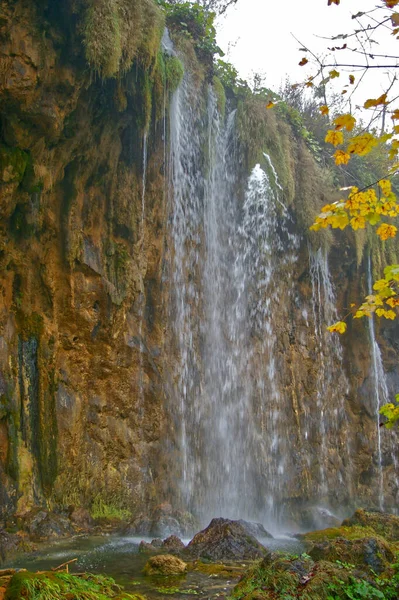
(288, 577)
(382, 523)
(165, 564)
(224, 539)
(370, 553)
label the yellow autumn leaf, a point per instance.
(347, 121)
(358, 223)
(341, 157)
(385, 186)
(334, 137)
(339, 327)
(270, 104)
(386, 231)
(392, 302)
(333, 74)
(372, 102)
(324, 108)
(362, 144)
(303, 62)
(391, 3)
(352, 77)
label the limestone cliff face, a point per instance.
(88, 355)
(76, 266)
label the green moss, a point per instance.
(116, 32)
(29, 325)
(218, 570)
(64, 586)
(13, 163)
(350, 533)
(174, 71)
(218, 88)
(101, 510)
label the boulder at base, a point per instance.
(165, 564)
(383, 523)
(225, 540)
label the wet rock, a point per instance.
(224, 539)
(173, 544)
(382, 523)
(166, 525)
(255, 529)
(43, 525)
(165, 564)
(373, 553)
(81, 519)
(316, 517)
(163, 522)
(13, 544)
(146, 548)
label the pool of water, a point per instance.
(118, 557)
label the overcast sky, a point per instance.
(256, 35)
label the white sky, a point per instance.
(259, 34)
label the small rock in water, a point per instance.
(224, 539)
(165, 564)
(173, 543)
(255, 529)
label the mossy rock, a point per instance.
(288, 577)
(64, 586)
(219, 570)
(165, 564)
(383, 524)
(13, 163)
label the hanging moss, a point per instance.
(218, 88)
(174, 72)
(116, 32)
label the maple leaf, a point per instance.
(375, 102)
(339, 327)
(303, 62)
(334, 137)
(347, 121)
(386, 231)
(385, 185)
(362, 144)
(392, 302)
(324, 108)
(341, 157)
(395, 114)
(333, 74)
(358, 223)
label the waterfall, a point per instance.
(332, 387)
(229, 254)
(385, 441)
(142, 301)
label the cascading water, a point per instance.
(385, 441)
(332, 386)
(142, 303)
(227, 260)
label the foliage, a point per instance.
(64, 586)
(373, 204)
(228, 76)
(196, 23)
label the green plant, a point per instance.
(64, 586)
(100, 509)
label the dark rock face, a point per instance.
(164, 521)
(314, 517)
(255, 529)
(11, 545)
(383, 523)
(43, 525)
(173, 544)
(81, 519)
(225, 540)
